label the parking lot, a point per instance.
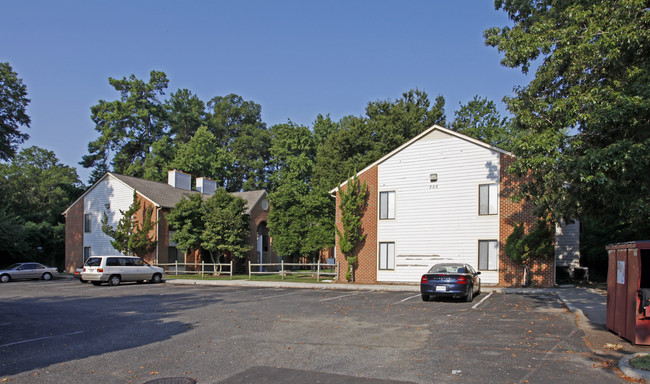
(64, 331)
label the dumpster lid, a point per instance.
(639, 244)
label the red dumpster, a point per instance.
(628, 291)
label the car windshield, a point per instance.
(94, 262)
(448, 268)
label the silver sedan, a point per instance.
(20, 271)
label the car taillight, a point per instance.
(100, 269)
(424, 279)
(461, 280)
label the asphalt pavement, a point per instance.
(588, 304)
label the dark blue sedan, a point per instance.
(455, 280)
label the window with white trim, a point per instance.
(387, 256)
(387, 205)
(488, 254)
(487, 199)
(87, 222)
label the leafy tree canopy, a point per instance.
(480, 120)
(37, 187)
(128, 126)
(13, 111)
(584, 119)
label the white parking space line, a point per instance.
(408, 298)
(40, 338)
(338, 297)
(481, 302)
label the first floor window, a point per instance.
(386, 255)
(488, 253)
(173, 254)
(86, 253)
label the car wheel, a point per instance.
(478, 292)
(425, 297)
(114, 280)
(470, 295)
(47, 276)
(98, 283)
(5, 278)
(157, 278)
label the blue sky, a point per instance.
(295, 58)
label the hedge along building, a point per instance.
(113, 192)
(442, 196)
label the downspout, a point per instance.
(157, 233)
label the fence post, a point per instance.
(202, 268)
(282, 269)
(318, 270)
(175, 267)
(249, 269)
(231, 269)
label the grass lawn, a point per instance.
(641, 362)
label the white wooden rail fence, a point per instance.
(205, 268)
(319, 269)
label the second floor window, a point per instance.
(386, 205)
(87, 222)
(487, 199)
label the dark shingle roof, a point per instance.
(167, 196)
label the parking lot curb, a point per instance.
(628, 370)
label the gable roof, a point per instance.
(166, 196)
(435, 127)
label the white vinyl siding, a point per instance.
(488, 254)
(437, 221)
(387, 205)
(487, 199)
(387, 256)
(110, 193)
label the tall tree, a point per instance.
(128, 126)
(238, 128)
(203, 157)
(186, 113)
(13, 111)
(159, 160)
(585, 117)
(132, 236)
(292, 153)
(395, 122)
(480, 119)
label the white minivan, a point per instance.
(115, 269)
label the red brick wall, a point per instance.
(139, 216)
(74, 236)
(367, 250)
(257, 217)
(511, 274)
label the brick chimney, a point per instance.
(179, 180)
